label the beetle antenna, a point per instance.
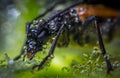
(62, 12)
(50, 8)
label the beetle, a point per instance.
(76, 18)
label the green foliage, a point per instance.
(89, 65)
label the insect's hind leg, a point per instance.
(107, 60)
(100, 40)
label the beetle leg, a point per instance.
(107, 60)
(100, 40)
(40, 66)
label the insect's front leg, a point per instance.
(51, 51)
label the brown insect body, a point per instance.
(84, 11)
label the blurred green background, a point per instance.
(72, 61)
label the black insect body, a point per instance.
(40, 31)
(38, 35)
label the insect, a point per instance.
(75, 18)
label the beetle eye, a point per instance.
(32, 44)
(32, 33)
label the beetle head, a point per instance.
(37, 35)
